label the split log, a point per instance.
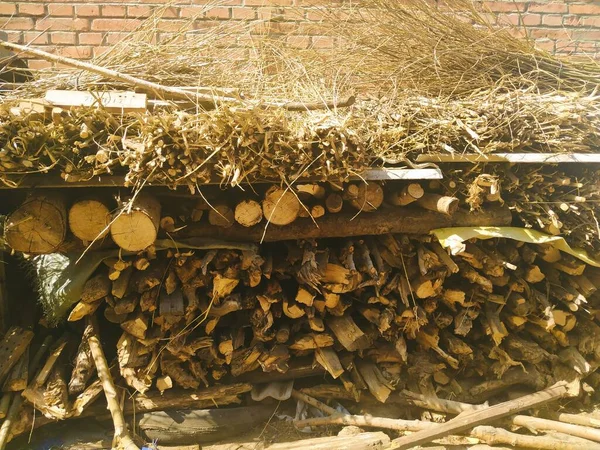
(83, 367)
(280, 207)
(221, 215)
(39, 225)
(347, 333)
(383, 221)
(135, 226)
(15, 342)
(89, 219)
(19, 375)
(407, 195)
(82, 309)
(248, 213)
(439, 203)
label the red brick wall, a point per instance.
(82, 29)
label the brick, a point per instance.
(14, 36)
(99, 50)
(87, 11)
(546, 44)
(268, 2)
(113, 11)
(573, 21)
(541, 33)
(63, 37)
(16, 23)
(171, 25)
(7, 9)
(586, 35)
(585, 10)
(137, 11)
(114, 24)
(32, 9)
(505, 6)
(113, 38)
(58, 10)
(35, 37)
(77, 52)
(323, 42)
(62, 24)
(192, 11)
(218, 13)
(243, 13)
(531, 19)
(298, 41)
(91, 38)
(556, 8)
(509, 19)
(552, 20)
(592, 22)
(38, 64)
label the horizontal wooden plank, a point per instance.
(113, 101)
(522, 158)
(55, 181)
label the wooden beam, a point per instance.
(390, 220)
(53, 180)
(112, 101)
(522, 158)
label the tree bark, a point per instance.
(384, 221)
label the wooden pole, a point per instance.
(122, 436)
(383, 221)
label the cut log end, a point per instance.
(89, 220)
(248, 213)
(136, 229)
(280, 207)
(39, 225)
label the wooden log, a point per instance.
(83, 367)
(122, 436)
(39, 225)
(334, 203)
(82, 309)
(442, 204)
(495, 436)
(383, 221)
(280, 207)
(374, 379)
(310, 190)
(317, 211)
(407, 195)
(328, 359)
(221, 215)
(248, 213)
(348, 333)
(15, 342)
(369, 197)
(135, 226)
(89, 219)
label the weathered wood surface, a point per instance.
(390, 220)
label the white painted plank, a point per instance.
(113, 101)
(402, 174)
(523, 158)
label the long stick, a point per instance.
(122, 436)
(313, 402)
(471, 419)
(539, 424)
(155, 87)
(366, 421)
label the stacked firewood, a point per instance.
(376, 313)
